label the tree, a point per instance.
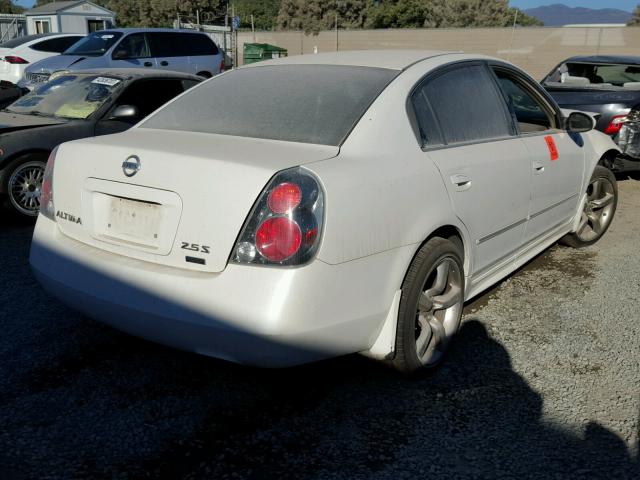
(265, 13)
(160, 13)
(523, 19)
(635, 19)
(8, 6)
(315, 15)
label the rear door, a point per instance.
(557, 157)
(467, 132)
(170, 51)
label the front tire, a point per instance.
(598, 212)
(430, 306)
(23, 183)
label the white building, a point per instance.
(69, 17)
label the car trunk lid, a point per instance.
(180, 199)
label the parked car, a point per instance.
(186, 51)
(609, 86)
(71, 106)
(19, 52)
(320, 205)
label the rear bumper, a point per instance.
(259, 316)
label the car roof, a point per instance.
(390, 59)
(625, 59)
(138, 73)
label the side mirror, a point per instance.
(579, 122)
(120, 55)
(125, 113)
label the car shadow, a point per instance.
(81, 400)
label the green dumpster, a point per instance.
(255, 52)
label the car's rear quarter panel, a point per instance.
(382, 191)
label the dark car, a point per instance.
(609, 86)
(69, 107)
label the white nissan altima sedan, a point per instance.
(320, 205)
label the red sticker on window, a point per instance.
(551, 145)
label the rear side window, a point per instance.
(55, 45)
(296, 103)
(466, 105)
(178, 44)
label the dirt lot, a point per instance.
(543, 382)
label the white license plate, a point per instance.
(133, 220)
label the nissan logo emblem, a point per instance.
(131, 166)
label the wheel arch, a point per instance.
(607, 158)
(449, 232)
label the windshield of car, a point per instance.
(296, 103)
(94, 45)
(594, 75)
(67, 96)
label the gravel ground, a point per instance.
(543, 382)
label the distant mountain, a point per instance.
(557, 15)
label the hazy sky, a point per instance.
(622, 4)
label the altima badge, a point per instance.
(131, 166)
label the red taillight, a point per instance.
(222, 66)
(615, 124)
(46, 190)
(285, 226)
(278, 238)
(15, 59)
(284, 198)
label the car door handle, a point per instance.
(461, 182)
(148, 64)
(164, 63)
(538, 168)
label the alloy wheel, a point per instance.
(25, 185)
(598, 210)
(438, 311)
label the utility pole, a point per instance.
(235, 36)
(253, 29)
(226, 26)
(513, 31)
(337, 42)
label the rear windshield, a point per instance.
(16, 42)
(590, 75)
(94, 45)
(296, 103)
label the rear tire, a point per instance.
(598, 211)
(204, 74)
(430, 306)
(23, 182)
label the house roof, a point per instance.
(55, 7)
